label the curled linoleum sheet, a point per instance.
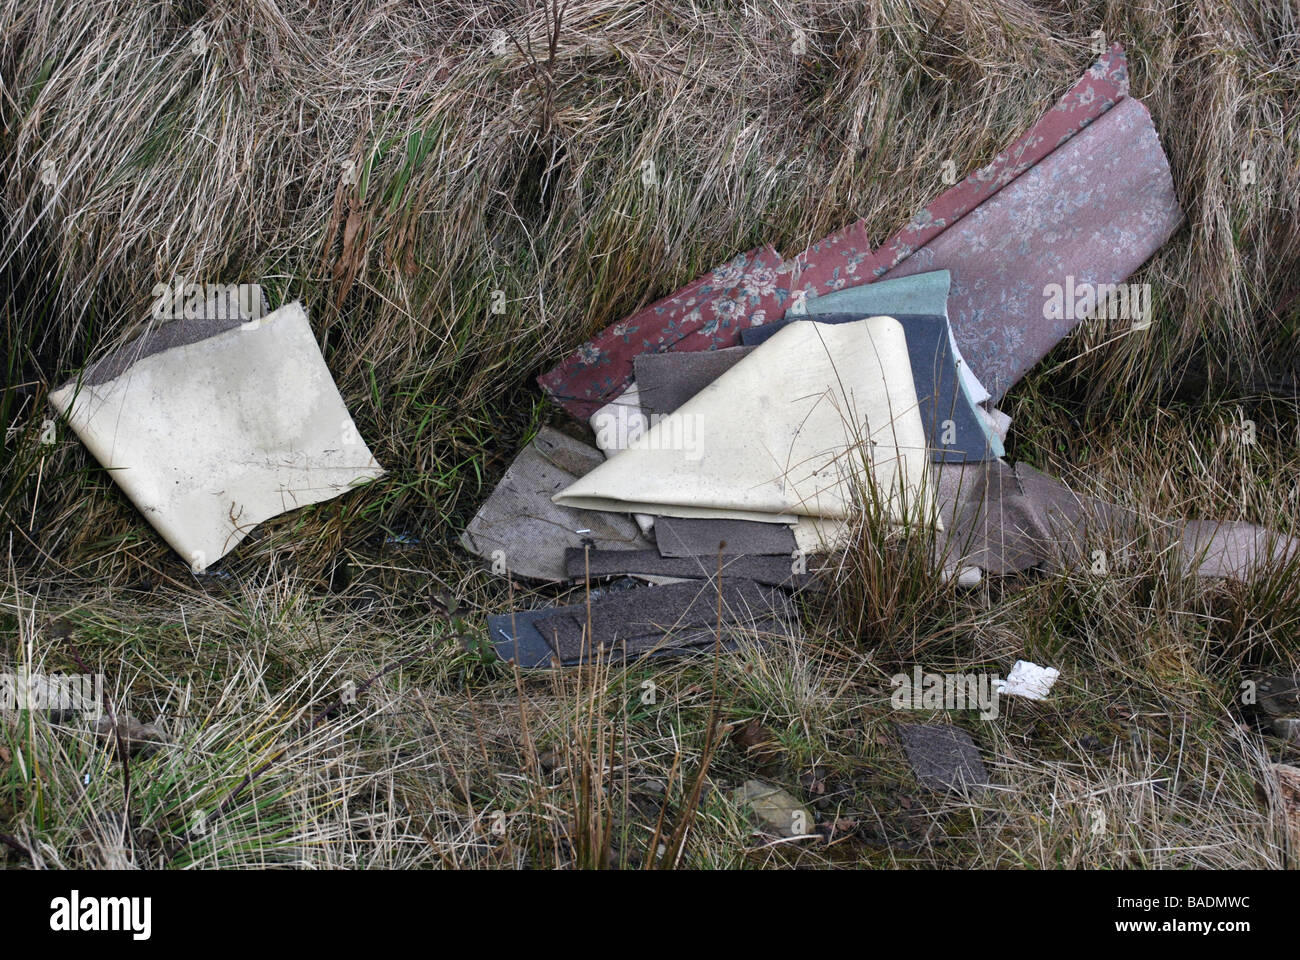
(786, 432)
(954, 428)
(212, 426)
(523, 533)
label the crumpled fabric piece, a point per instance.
(704, 315)
(530, 531)
(954, 428)
(212, 426)
(786, 432)
(675, 620)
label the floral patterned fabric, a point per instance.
(1089, 214)
(1095, 212)
(1103, 85)
(704, 315)
(830, 264)
(1085, 194)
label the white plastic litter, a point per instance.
(1028, 680)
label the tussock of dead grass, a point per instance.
(523, 172)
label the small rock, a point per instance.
(775, 809)
(1288, 728)
(139, 739)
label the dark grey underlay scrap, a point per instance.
(679, 615)
(581, 562)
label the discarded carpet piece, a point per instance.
(953, 427)
(1234, 551)
(943, 757)
(925, 294)
(516, 639)
(793, 429)
(1003, 519)
(211, 427)
(829, 264)
(665, 381)
(692, 537)
(1028, 680)
(674, 617)
(771, 570)
(1080, 201)
(522, 532)
(704, 315)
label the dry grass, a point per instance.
(213, 141)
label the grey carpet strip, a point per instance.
(669, 617)
(702, 537)
(774, 571)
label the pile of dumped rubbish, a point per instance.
(742, 425)
(745, 421)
